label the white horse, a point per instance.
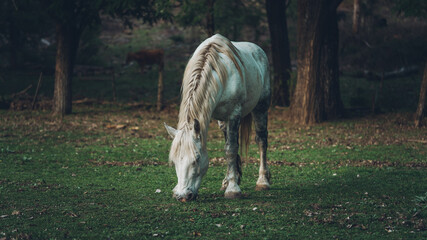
(230, 82)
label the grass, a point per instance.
(82, 178)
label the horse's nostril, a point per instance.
(189, 196)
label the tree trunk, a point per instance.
(14, 44)
(421, 102)
(276, 13)
(329, 72)
(210, 20)
(317, 96)
(67, 44)
(356, 16)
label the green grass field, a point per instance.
(103, 173)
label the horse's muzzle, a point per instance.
(187, 197)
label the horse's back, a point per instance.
(255, 64)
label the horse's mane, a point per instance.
(199, 86)
(199, 89)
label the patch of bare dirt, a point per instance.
(135, 121)
(360, 163)
(25, 102)
(122, 121)
(385, 129)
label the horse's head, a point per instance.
(190, 160)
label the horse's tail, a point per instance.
(245, 134)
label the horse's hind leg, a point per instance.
(260, 116)
(223, 126)
(232, 179)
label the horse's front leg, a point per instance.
(232, 178)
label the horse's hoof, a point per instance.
(262, 187)
(233, 195)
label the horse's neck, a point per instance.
(204, 78)
(203, 115)
(186, 123)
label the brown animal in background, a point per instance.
(150, 57)
(147, 57)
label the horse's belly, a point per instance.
(253, 94)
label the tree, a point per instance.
(356, 16)
(68, 31)
(416, 8)
(22, 25)
(72, 17)
(317, 97)
(276, 14)
(223, 16)
(210, 18)
(193, 13)
(419, 114)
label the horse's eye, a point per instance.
(197, 158)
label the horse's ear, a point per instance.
(196, 127)
(172, 131)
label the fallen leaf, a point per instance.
(118, 126)
(71, 214)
